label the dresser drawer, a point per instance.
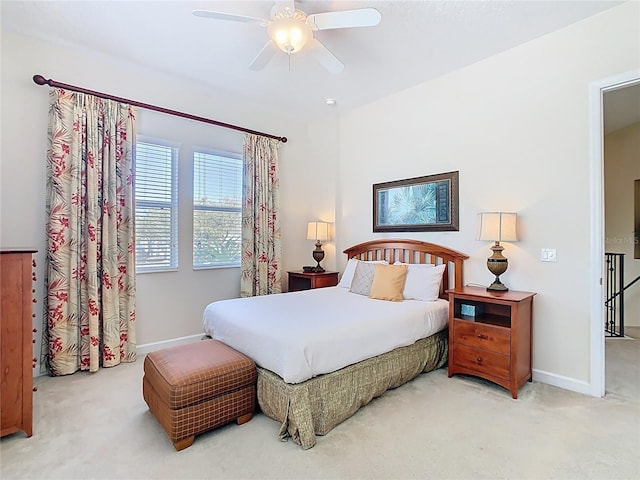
(482, 335)
(482, 361)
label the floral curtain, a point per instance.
(90, 263)
(261, 249)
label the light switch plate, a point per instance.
(548, 255)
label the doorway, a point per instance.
(599, 90)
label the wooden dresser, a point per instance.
(490, 335)
(16, 341)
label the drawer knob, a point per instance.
(33, 341)
(35, 389)
(479, 360)
(33, 262)
(35, 330)
(35, 300)
(35, 359)
(482, 337)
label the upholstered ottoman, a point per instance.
(199, 386)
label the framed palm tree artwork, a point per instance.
(420, 204)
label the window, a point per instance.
(217, 209)
(156, 206)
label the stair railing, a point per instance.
(614, 321)
(614, 304)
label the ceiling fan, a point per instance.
(291, 29)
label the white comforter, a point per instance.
(299, 335)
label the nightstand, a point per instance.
(490, 335)
(299, 280)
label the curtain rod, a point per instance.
(40, 80)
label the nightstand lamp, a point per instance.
(318, 231)
(497, 227)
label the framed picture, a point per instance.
(421, 204)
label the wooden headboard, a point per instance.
(413, 251)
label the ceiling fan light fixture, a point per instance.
(290, 32)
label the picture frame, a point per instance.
(421, 204)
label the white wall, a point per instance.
(169, 305)
(516, 126)
(622, 168)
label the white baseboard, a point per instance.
(560, 381)
(151, 347)
(37, 372)
(538, 375)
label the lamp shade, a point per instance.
(497, 227)
(290, 32)
(317, 231)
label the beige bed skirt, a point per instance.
(319, 404)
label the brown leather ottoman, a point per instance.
(199, 386)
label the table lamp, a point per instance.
(497, 227)
(318, 231)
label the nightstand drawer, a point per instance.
(482, 361)
(325, 281)
(307, 280)
(481, 335)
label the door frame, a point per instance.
(597, 89)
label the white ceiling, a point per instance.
(415, 41)
(621, 108)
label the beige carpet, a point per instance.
(98, 426)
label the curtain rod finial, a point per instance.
(283, 139)
(40, 80)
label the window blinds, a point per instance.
(217, 209)
(156, 207)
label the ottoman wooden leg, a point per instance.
(244, 418)
(184, 443)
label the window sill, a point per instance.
(216, 267)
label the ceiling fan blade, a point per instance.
(227, 16)
(327, 59)
(264, 56)
(362, 17)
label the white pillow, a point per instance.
(350, 269)
(423, 282)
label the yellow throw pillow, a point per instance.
(388, 282)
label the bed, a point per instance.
(323, 354)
